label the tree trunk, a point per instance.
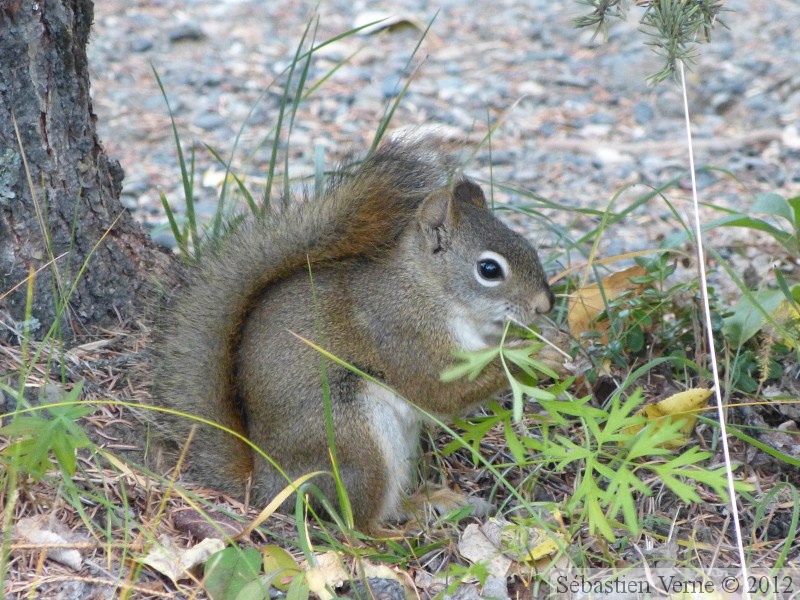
(59, 193)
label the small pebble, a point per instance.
(187, 32)
(140, 45)
(209, 121)
(642, 113)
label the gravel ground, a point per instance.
(577, 120)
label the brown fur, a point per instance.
(391, 247)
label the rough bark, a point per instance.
(59, 193)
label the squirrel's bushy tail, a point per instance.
(365, 207)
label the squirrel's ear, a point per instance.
(435, 212)
(467, 190)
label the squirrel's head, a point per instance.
(487, 273)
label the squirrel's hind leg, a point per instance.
(376, 437)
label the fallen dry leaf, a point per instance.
(176, 563)
(330, 563)
(588, 302)
(41, 530)
(685, 405)
(529, 544)
(315, 579)
(329, 572)
(476, 546)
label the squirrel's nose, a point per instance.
(544, 301)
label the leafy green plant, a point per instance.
(54, 433)
(748, 370)
(612, 460)
(614, 463)
(763, 326)
(784, 229)
(457, 574)
(752, 312)
(235, 572)
(661, 320)
(472, 363)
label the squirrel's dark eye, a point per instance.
(490, 269)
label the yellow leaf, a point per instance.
(789, 317)
(689, 401)
(681, 406)
(530, 544)
(588, 302)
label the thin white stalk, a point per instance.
(541, 338)
(701, 265)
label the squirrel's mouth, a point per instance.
(471, 336)
(494, 333)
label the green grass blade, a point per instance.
(392, 106)
(188, 182)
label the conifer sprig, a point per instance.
(675, 27)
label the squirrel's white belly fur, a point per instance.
(398, 424)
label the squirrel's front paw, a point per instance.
(430, 498)
(555, 356)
